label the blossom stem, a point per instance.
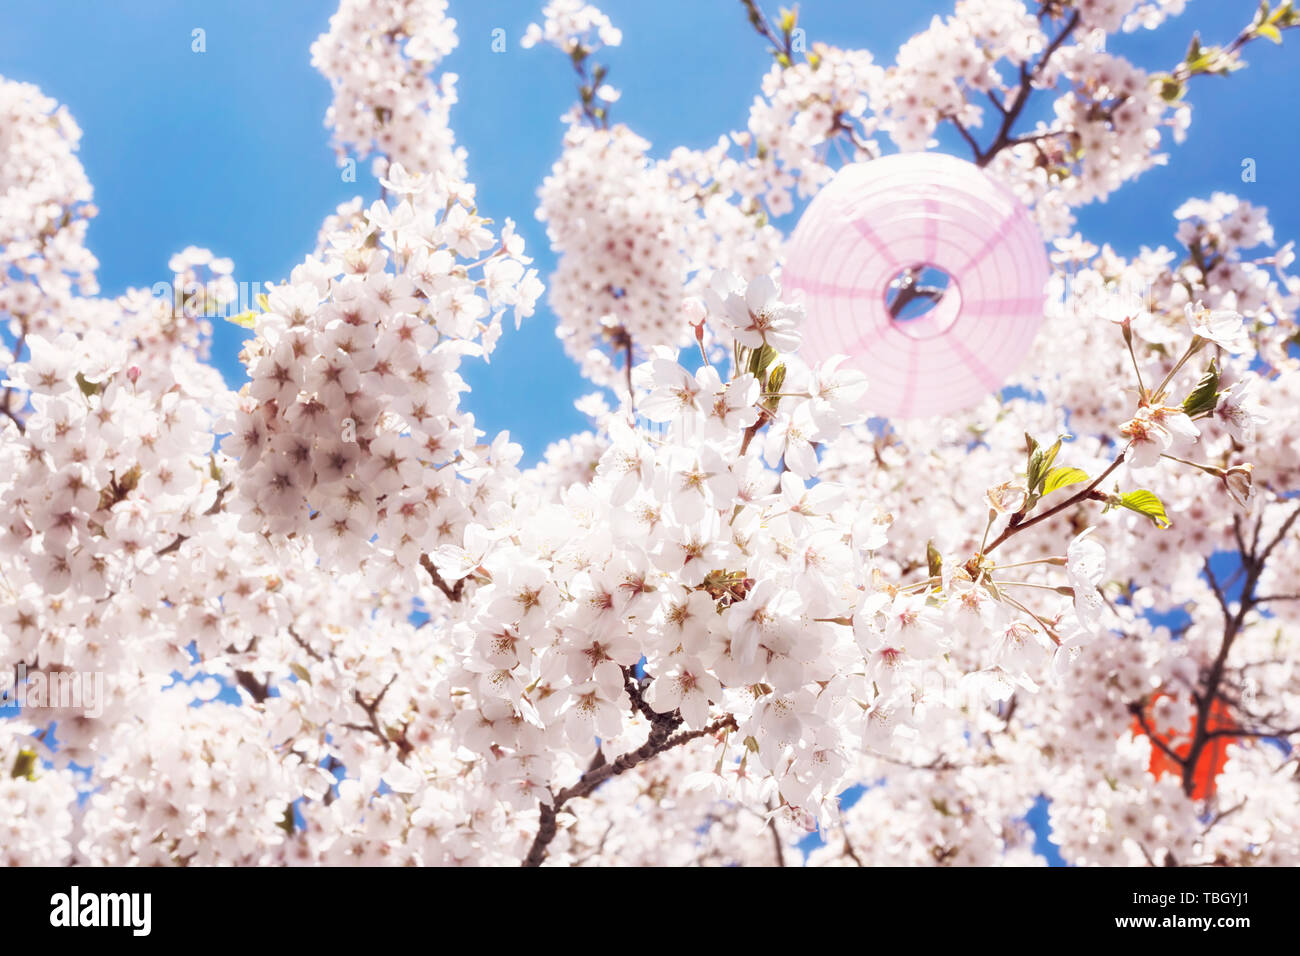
(1208, 469)
(1197, 344)
(1058, 561)
(915, 585)
(1029, 584)
(993, 516)
(1046, 628)
(1128, 340)
(627, 364)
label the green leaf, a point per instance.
(263, 302)
(1145, 503)
(1040, 463)
(1171, 90)
(760, 359)
(300, 672)
(129, 481)
(1270, 31)
(1049, 456)
(286, 822)
(245, 320)
(1204, 398)
(1063, 477)
(775, 382)
(25, 765)
(88, 388)
(933, 559)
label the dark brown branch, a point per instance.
(453, 593)
(303, 644)
(627, 365)
(6, 402)
(22, 427)
(658, 742)
(1220, 815)
(1135, 709)
(371, 708)
(1243, 732)
(849, 851)
(180, 539)
(1254, 561)
(776, 837)
(767, 31)
(1218, 590)
(259, 690)
(966, 135)
(1011, 112)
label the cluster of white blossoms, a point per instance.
(1128, 15)
(378, 55)
(44, 208)
(936, 69)
(570, 24)
(636, 237)
(619, 227)
(803, 107)
(350, 421)
(336, 623)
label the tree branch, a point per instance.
(1011, 112)
(453, 593)
(1135, 709)
(1254, 561)
(658, 742)
(1017, 526)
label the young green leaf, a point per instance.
(1204, 398)
(760, 359)
(24, 765)
(933, 560)
(1040, 463)
(1270, 31)
(1145, 503)
(1063, 477)
(88, 388)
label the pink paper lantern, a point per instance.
(875, 221)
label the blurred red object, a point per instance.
(1212, 757)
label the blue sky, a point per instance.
(227, 149)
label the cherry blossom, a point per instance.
(338, 624)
